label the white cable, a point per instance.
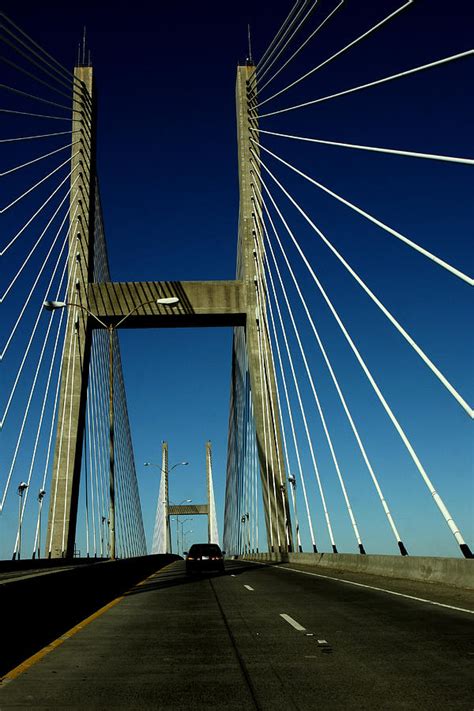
(32, 389)
(317, 401)
(371, 218)
(36, 160)
(20, 369)
(261, 88)
(271, 48)
(295, 441)
(13, 239)
(340, 393)
(33, 96)
(262, 381)
(399, 75)
(42, 135)
(27, 113)
(22, 428)
(45, 261)
(438, 500)
(33, 249)
(374, 149)
(468, 409)
(282, 49)
(303, 414)
(68, 160)
(338, 53)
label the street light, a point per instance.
(185, 501)
(37, 550)
(21, 489)
(53, 306)
(292, 480)
(183, 537)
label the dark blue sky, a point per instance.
(168, 173)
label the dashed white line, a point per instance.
(248, 587)
(292, 622)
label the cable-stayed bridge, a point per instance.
(284, 450)
(351, 379)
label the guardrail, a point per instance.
(458, 572)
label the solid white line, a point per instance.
(370, 587)
(248, 587)
(292, 622)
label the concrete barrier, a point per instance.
(40, 607)
(458, 572)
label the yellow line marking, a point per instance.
(35, 658)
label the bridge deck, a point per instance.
(220, 642)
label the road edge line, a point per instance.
(40, 654)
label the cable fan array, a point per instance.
(42, 155)
(311, 260)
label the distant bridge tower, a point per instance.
(162, 531)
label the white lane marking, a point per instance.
(292, 622)
(232, 576)
(248, 587)
(322, 641)
(370, 587)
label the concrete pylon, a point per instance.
(161, 533)
(212, 530)
(75, 361)
(260, 366)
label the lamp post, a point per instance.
(292, 480)
(183, 537)
(185, 501)
(21, 489)
(53, 306)
(181, 523)
(37, 550)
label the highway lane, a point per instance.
(259, 637)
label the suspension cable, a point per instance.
(449, 387)
(437, 498)
(370, 84)
(392, 151)
(338, 53)
(319, 27)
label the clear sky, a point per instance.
(167, 166)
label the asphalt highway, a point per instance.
(261, 637)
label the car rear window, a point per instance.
(205, 549)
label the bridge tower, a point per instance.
(256, 363)
(239, 303)
(77, 343)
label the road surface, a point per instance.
(263, 637)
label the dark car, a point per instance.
(203, 557)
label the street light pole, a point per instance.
(53, 306)
(21, 489)
(292, 480)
